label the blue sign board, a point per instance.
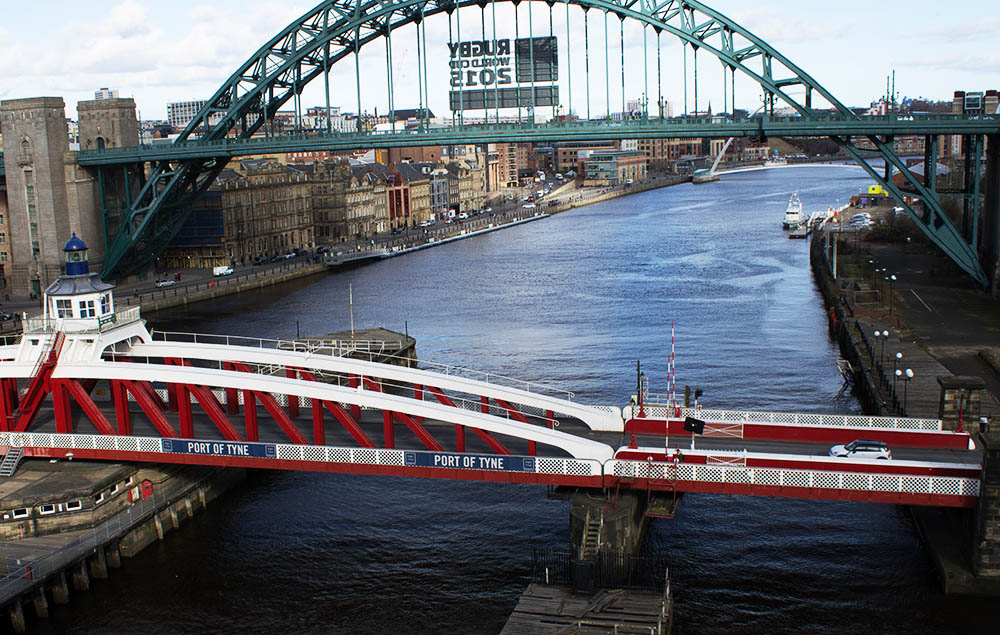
(491, 462)
(220, 448)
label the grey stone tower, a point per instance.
(107, 123)
(35, 148)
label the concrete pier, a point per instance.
(48, 552)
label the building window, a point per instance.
(25, 150)
(99, 499)
(87, 308)
(20, 513)
(3, 256)
(105, 304)
(73, 506)
(117, 488)
(64, 308)
(47, 509)
(3, 237)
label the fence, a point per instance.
(609, 570)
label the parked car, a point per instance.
(862, 450)
(166, 282)
(462, 216)
(528, 206)
(4, 316)
(222, 271)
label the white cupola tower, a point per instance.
(78, 300)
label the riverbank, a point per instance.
(74, 521)
(933, 328)
(196, 286)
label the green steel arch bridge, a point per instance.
(148, 190)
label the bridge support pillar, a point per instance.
(81, 579)
(115, 555)
(17, 622)
(183, 400)
(41, 602)
(99, 566)
(61, 408)
(604, 520)
(250, 414)
(60, 589)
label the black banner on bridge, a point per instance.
(488, 98)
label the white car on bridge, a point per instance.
(862, 450)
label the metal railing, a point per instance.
(609, 570)
(306, 346)
(28, 573)
(96, 324)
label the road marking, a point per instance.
(921, 301)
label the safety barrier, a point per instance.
(663, 411)
(732, 473)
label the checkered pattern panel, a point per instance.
(684, 473)
(550, 466)
(339, 455)
(290, 452)
(826, 479)
(885, 483)
(83, 441)
(767, 477)
(313, 453)
(970, 487)
(915, 484)
(623, 468)
(39, 440)
(366, 456)
(733, 475)
(710, 474)
(150, 445)
(579, 468)
(856, 481)
(62, 441)
(950, 486)
(128, 444)
(390, 457)
(796, 479)
(104, 443)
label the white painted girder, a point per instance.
(596, 418)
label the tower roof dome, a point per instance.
(75, 244)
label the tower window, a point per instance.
(64, 308)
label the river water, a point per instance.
(572, 300)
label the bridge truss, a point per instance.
(146, 208)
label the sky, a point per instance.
(159, 52)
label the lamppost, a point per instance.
(895, 371)
(881, 355)
(906, 384)
(874, 271)
(891, 279)
(871, 352)
(896, 374)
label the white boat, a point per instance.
(775, 162)
(793, 213)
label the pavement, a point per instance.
(936, 315)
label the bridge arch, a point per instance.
(334, 29)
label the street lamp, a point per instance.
(896, 374)
(891, 279)
(881, 355)
(906, 384)
(871, 351)
(895, 371)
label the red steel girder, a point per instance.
(485, 435)
(339, 413)
(271, 405)
(209, 404)
(425, 437)
(79, 394)
(152, 405)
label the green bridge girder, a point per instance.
(335, 29)
(675, 128)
